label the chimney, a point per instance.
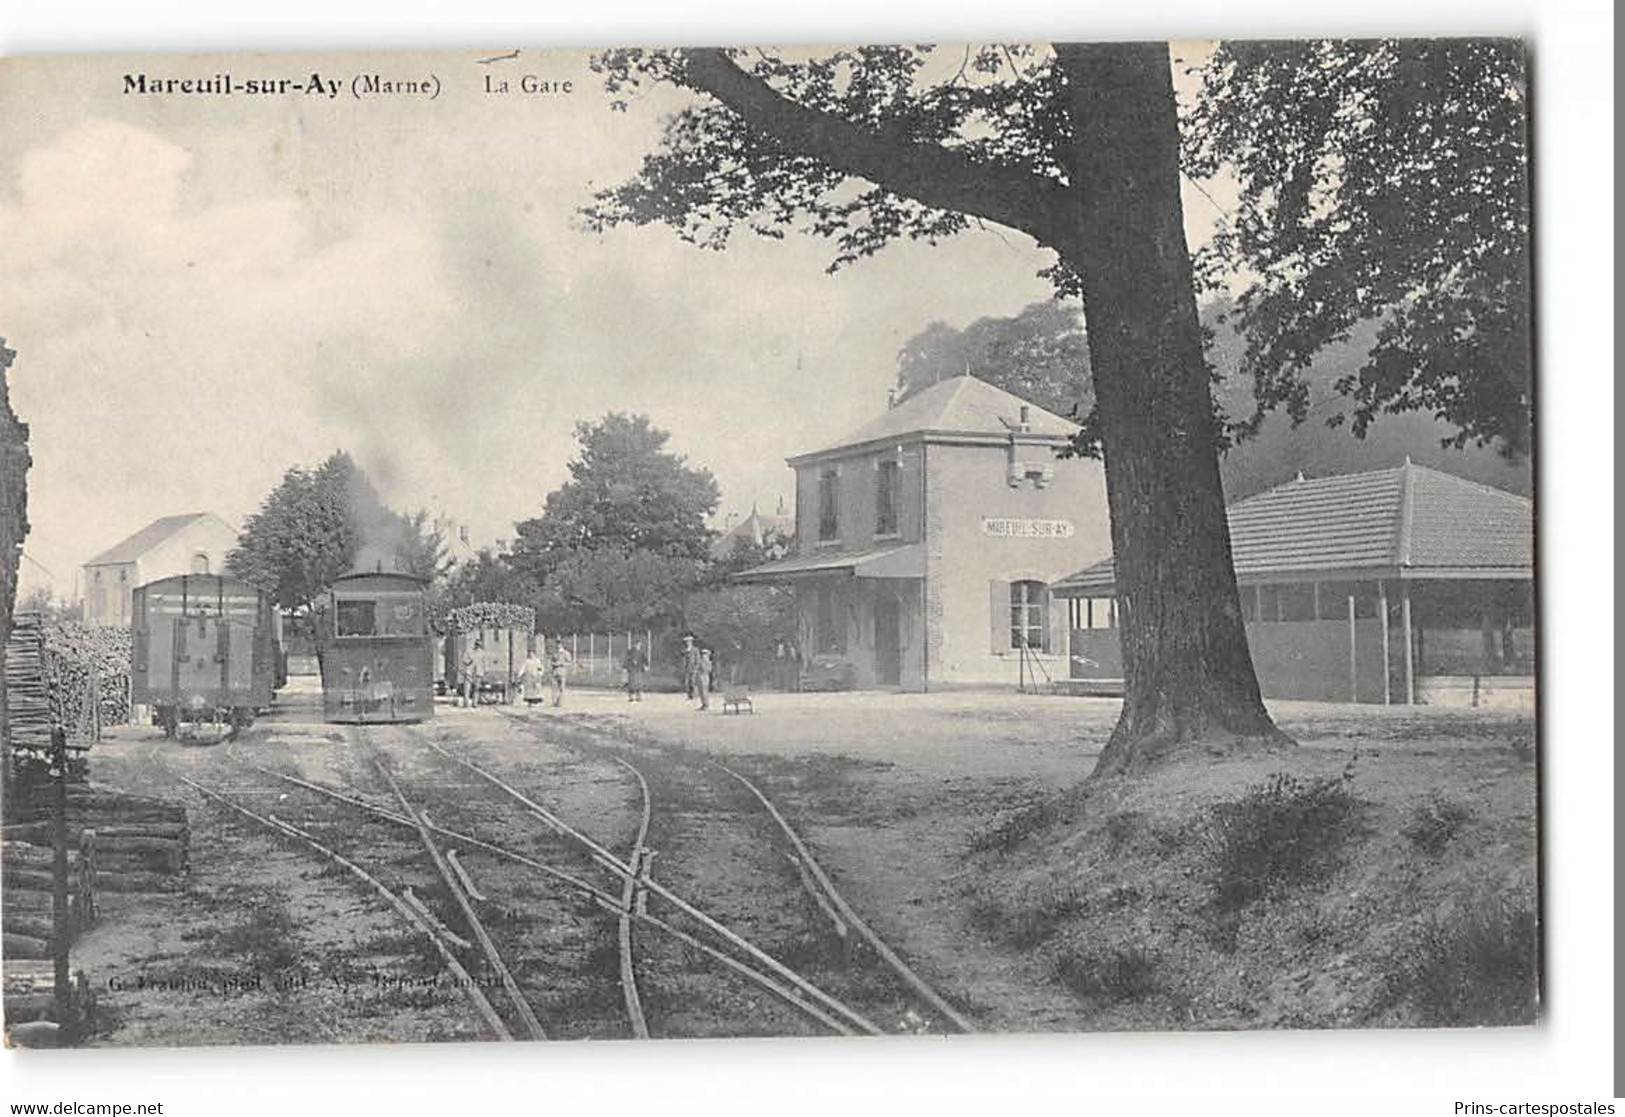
(891, 399)
(1026, 423)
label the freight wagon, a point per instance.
(376, 652)
(205, 650)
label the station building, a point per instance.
(927, 539)
(1405, 585)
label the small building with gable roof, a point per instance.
(192, 543)
(925, 542)
(1402, 585)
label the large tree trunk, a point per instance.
(1190, 684)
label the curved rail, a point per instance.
(629, 894)
(615, 865)
(604, 900)
(470, 989)
(527, 1015)
(853, 920)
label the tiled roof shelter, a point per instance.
(1406, 522)
(1404, 582)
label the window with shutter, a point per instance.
(829, 505)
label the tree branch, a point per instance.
(926, 172)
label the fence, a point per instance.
(599, 655)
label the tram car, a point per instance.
(205, 650)
(376, 651)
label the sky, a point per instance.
(204, 291)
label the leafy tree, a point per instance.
(1263, 454)
(627, 493)
(1379, 182)
(1076, 146)
(486, 577)
(743, 624)
(611, 590)
(318, 523)
(1041, 354)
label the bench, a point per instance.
(735, 700)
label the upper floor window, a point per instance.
(200, 563)
(886, 498)
(1029, 615)
(829, 505)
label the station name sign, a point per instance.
(1027, 529)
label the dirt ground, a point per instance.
(896, 794)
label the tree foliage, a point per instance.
(744, 624)
(1379, 181)
(315, 526)
(627, 493)
(1040, 354)
(615, 590)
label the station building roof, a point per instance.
(961, 408)
(1405, 522)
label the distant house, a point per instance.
(926, 540)
(754, 529)
(194, 543)
(1403, 585)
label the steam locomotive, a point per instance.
(375, 649)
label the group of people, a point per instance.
(699, 671)
(546, 671)
(547, 667)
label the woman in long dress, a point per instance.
(532, 677)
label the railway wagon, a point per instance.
(204, 649)
(377, 655)
(498, 651)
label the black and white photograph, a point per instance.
(907, 540)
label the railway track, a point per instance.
(844, 920)
(783, 984)
(625, 898)
(436, 936)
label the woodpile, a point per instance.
(87, 672)
(117, 843)
(28, 705)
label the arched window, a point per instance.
(1029, 615)
(200, 563)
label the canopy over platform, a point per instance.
(1406, 523)
(904, 560)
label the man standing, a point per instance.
(691, 664)
(636, 666)
(559, 663)
(702, 678)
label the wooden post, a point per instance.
(1382, 611)
(1315, 589)
(59, 882)
(1354, 663)
(592, 655)
(1410, 650)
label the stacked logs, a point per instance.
(85, 664)
(117, 843)
(28, 703)
(27, 870)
